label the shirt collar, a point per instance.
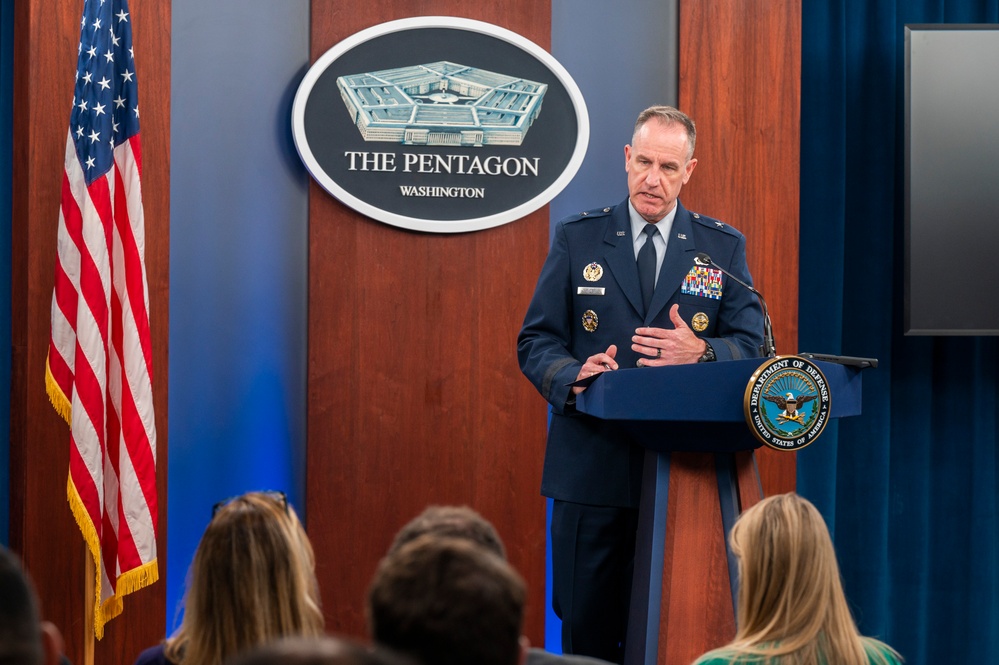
(638, 222)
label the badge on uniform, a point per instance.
(700, 322)
(704, 282)
(590, 321)
(593, 272)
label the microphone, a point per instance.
(769, 348)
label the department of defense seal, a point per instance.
(590, 321)
(787, 402)
(593, 272)
(700, 322)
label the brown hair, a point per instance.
(453, 522)
(447, 601)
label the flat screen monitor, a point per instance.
(951, 180)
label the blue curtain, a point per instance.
(910, 488)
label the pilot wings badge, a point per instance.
(787, 402)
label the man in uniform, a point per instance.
(621, 288)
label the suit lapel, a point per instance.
(620, 256)
(679, 258)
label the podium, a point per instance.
(700, 473)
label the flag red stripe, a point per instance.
(140, 452)
(66, 296)
(84, 483)
(134, 273)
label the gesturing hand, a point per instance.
(668, 347)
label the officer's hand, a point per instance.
(668, 347)
(595, 364)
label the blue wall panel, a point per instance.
(238, 264)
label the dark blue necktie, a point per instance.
(647, 265)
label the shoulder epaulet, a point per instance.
(587, 214)
(715, 224)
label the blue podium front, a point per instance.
(700, 473)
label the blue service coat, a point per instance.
(588, 460)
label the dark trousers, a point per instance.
(593, 558)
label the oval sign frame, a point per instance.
(486, 221)
(796, 377)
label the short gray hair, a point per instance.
(669, 115)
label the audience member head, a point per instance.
(448, 601)
(454, 522)
(318, 651)
(791, 602)
(252, 581)
(24, 638)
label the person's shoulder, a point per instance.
(715, 225)
(541, 657)
(879, 653)
(726, 656)
(153, 656)
(595, 213)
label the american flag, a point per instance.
(99, 367)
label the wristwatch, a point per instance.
(709, 355)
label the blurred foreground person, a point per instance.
(464, 522)
(252, 581)
(792, 609)
(24, 638)
(448, 601)
(318, 651)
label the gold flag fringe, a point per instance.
(133, 580)
(60, 402)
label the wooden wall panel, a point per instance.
(42, 528)
(415, 395)
(740, 79)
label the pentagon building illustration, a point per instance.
(442, 103)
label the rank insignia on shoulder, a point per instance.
(593, 272)
(720, 225)
(590, 321)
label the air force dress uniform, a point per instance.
(588, 297)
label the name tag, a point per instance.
(590, 291)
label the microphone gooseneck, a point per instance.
(769, 348)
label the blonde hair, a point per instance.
(791, 605)
(252, 581)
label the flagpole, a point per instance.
(89, 574)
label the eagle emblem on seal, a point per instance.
(789, 404)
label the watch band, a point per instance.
(709, 355)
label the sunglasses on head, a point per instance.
(277, 496)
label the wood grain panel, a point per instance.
(43, 531)
(415, 395)
(740, 79)
(748, 480)
(697, 600)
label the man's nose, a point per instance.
(652, 177)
